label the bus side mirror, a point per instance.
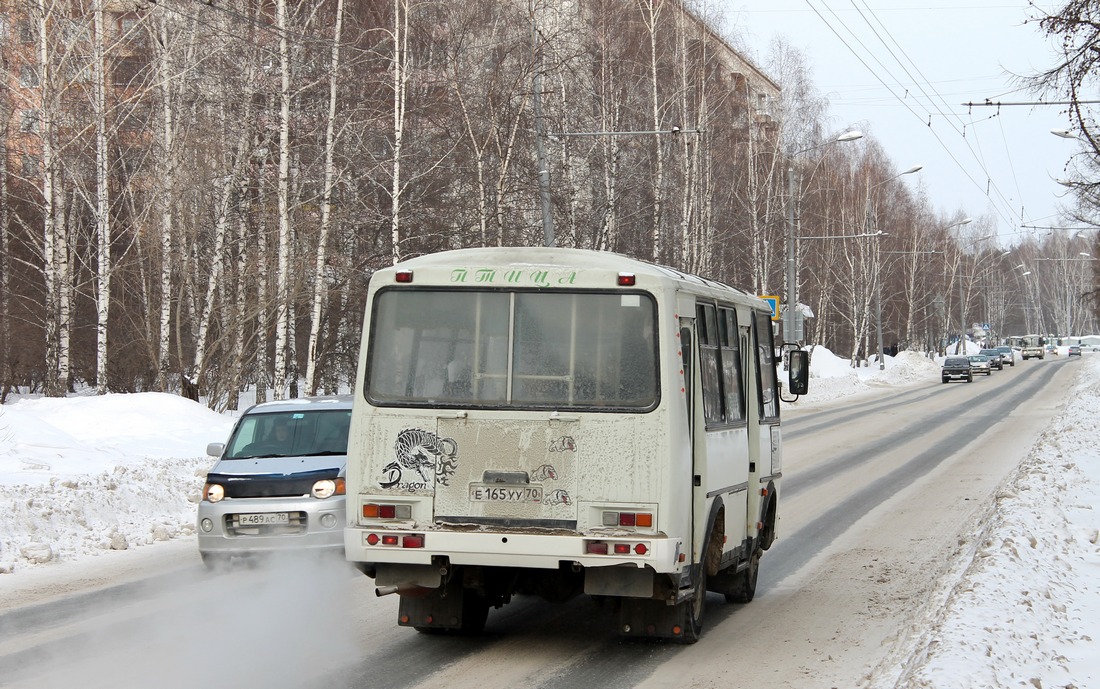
(798, 371)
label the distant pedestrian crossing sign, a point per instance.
(774, 303)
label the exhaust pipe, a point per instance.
(403, 590)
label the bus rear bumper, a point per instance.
(533, 551)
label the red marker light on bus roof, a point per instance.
(626, 279)
(404, 276)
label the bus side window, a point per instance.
(765, 367)
(731, 367)
(686, 345)
(709, 377)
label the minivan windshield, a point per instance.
(290, 434)
(513, 349)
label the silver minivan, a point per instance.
(278, 483)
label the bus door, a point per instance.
(693, 400)
(769, 455)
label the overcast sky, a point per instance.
(893, 66)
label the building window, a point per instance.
(128, 71)
(28, 76)
(28, 121)
(26, 31)
(30, 165)
(134, 120)
(79, 69)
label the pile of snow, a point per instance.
(832, 377)
(83, 475)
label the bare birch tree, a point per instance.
(282, 271)
(399, 65)
(102, 206)
(651, 13)
(320, 281)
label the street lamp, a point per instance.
(878, 278)
(962, 314)
(789, 317)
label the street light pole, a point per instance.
(791, 307)
(792, 288)
(962, 314)
(878, 278)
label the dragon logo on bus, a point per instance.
(564, 444)
(545, 472)
(557, 497)
(431, 457)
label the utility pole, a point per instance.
(792, 287)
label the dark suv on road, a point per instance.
(957, 368)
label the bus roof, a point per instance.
(471, 267)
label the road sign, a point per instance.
(774, 303)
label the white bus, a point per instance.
(557, 422)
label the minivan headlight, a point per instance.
(326, 488)
(212, 492)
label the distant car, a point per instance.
(1074, 350)
(1051, 349)
(995, 359)
(980, 363)
(278, 483)
(1008, 355)
(957, 368)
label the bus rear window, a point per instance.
(513, 349)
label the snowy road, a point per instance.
(881, 502)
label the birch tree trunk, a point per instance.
(320, 281)
(166, 176)
(263, 292)
(6, 332)
(651, 10)
(400, 85)
(104, 267)
(610, 117)
(688, 245)
(282, 276)
(52, 384)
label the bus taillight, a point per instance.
(637, 519)
(383, 511)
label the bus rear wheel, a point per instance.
(743, 589)
(690, 612)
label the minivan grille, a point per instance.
(270, 485)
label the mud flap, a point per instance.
(664, 619)
(627, 581)
(447, 608)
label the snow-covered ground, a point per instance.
(84, 476)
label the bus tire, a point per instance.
(767, 533)
(744, 585)
(690, 617)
